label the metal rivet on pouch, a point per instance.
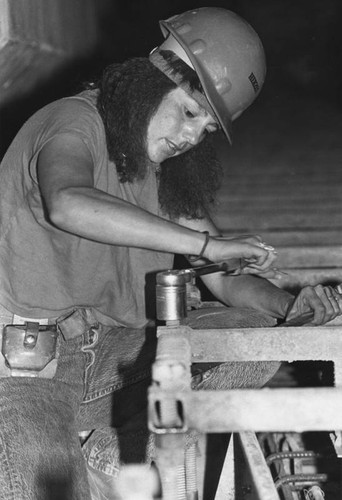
(30, 339)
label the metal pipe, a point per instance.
(301, 478)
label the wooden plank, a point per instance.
(245, 461)
(297, 278)
(267, 198)
(295, 236)
(263, 486)
(226, 486)
(316, 256)
(267, 220)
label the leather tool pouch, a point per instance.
(29, 350)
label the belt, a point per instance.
(20, 320)
(70, 325)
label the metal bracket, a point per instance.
(172, 421)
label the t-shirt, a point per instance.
(46, 272)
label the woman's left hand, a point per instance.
(324, 303)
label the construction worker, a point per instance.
(98, 192)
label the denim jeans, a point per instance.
(100, 387)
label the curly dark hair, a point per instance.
(188, 182)
(129, 95)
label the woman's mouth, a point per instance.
(172, 147)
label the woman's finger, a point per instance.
(263, 263)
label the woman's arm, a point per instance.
(258, 293)
(65, 176)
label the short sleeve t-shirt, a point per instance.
(46, 272)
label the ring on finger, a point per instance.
(265, 246)
(332, 297)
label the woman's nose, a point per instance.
(192, 134)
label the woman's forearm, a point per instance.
(95, 215)
(251, 291)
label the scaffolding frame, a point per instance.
(175, 409)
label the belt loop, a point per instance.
(77, 323)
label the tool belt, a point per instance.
(32, 349)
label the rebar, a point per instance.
(283, 455)
(301, 478)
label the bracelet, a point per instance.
(195, 258)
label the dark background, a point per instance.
(302, 40)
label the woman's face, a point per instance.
(179, 124)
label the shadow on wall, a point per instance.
(302, 40)
(64, 82)
(41, 49)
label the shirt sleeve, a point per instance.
(74, 116)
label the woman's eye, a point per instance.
(188, 113)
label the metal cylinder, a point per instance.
(171, 295)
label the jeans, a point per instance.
(99, 388)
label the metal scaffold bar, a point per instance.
(259, 472)
(266, 344)
(320, 343)
(264, 410)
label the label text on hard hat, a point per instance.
(254, 82)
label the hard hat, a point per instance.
(226, 54)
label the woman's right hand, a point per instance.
(258, 257)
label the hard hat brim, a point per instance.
(215, 100)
